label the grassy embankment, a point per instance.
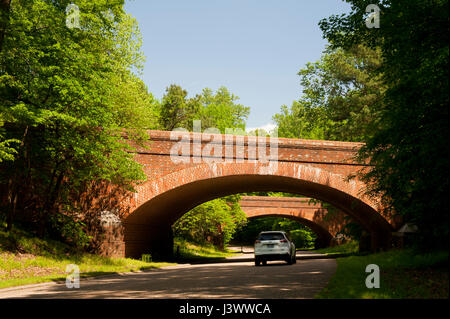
(25, 259)
(193, 252)
(403, 274)
(351, 247)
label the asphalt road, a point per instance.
(219, 280)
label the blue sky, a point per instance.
(253, 47)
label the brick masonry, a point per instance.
(212, 166)
(302, 209)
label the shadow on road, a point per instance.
(235, 280)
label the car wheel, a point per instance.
(289, 260)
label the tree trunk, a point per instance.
(49, 206)
(13, 188)
(11, 213)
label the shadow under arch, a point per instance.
(148, 227)
(323, 236)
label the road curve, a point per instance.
(220, 280)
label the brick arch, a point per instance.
(304, 210)
(203, 171)
(160, 202)
(323, 235)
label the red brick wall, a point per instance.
(297, 208)
(313, 168)
(330, 157)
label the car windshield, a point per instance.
(271, 236)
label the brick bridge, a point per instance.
(186, 169)
(302, 209)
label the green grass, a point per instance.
(25, 259)
(350, 247)
(191, 251)
(403, 274)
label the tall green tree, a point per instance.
(215, 221)
(341, 97)
(176, 109)
(5, 6)
(302, 236)
(220, 110)
(410, 150)
(301, 121)
(65, 96)
(214, 109)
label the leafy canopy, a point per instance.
(65, 96)
(341, 97)
(410, 150)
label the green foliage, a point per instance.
(26, 259)
(7, 150)
(65, 97)
(187, 251)
(273, 194)
(300, 121)
(176, 110)
(341, 95)
(215, 222)
(403, 274)
(352, 229)
(68, 230)
(350, 247)
(302, 236)
(214, 109)
(221, 111)
(22, 241)
(410, 150)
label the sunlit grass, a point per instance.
(347, 248)
(25, 259)
(188, 250)
(403, 274)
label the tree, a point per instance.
(214, 109)
(215, 221)
(176, 110)
(302, 236)
(341, 97)
(5, 6)
(409, 151)
(300, 121)
(133, 106)
(65, 96)
(221, 111)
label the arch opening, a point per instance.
(323, 236)
(148, 228)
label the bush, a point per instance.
(68, 230)
(302, 238)
(213, 222)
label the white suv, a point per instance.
(274, 245)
